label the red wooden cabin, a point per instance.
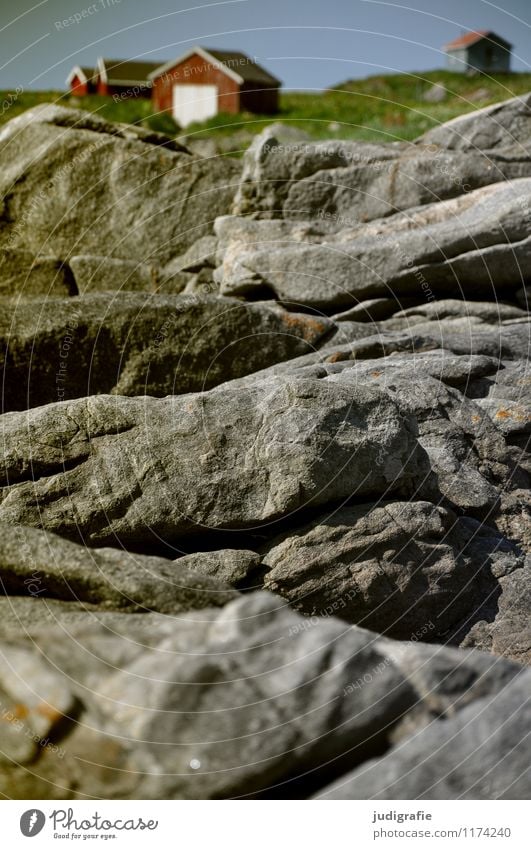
(80, 81)
(204, 82)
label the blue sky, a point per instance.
(309, 44)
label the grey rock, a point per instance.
(478, 754)
(42, 566)
(201, 253)
(110, 467)
(74, 183)
(476, 244)
(469, 462)
(509, 416)
(435, 94)
(500, 127)
(232, 566)
(411, 570)
(245, 701)
(509, 632)
(523, 296)
(104, 274)
(134, 344)
(350, 182)
(374, 310)
(23, 273)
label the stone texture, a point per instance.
(502, 126)
(74, 184)
(23, 273)
(136, 468)
(346, 182)
(246, 701)
(135, 344)
(475, 245)
(39, 565)
(94, 273)
(401, 568)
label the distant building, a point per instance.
(204, 82)
(480, 50)
(80, 81)
(122, 77)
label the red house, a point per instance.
(80, 81)
(204, 82)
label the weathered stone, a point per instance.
(487, 311)
(500, 127)
(477, 754)
(134, 344)
(409, 569)
(104, 274)
(475, 244)
(246, 701)
(24, 273)
(43, 566)
(75, 183)
(346, 182)
(136, 468)
(508, 632)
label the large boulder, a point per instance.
(473, 464)
(345, 182)
(399, 568)
(475, 245)
(42, 566)
(500, 128)
(136, 468)
(246, 701)
(507, 632)
(476, 754)
(73, 183)
(135, 344)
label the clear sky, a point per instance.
(309, 44)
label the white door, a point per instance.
(194, 103)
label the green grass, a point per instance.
(379, 108)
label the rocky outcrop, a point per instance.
(477, 244)
(134, 344)
(113, 467)
(466, 757)
(395, 567)
(345, 183)
(315, 579)
(37, 565)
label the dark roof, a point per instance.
(89, 72)
(124, 71)
(235, 61)
(249, 70)
(470, 38)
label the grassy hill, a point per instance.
(378, 108)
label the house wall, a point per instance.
(78, 88)
(457, 60)
(196, 71)
(259, 100)
(483, 56)
(488, 56)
